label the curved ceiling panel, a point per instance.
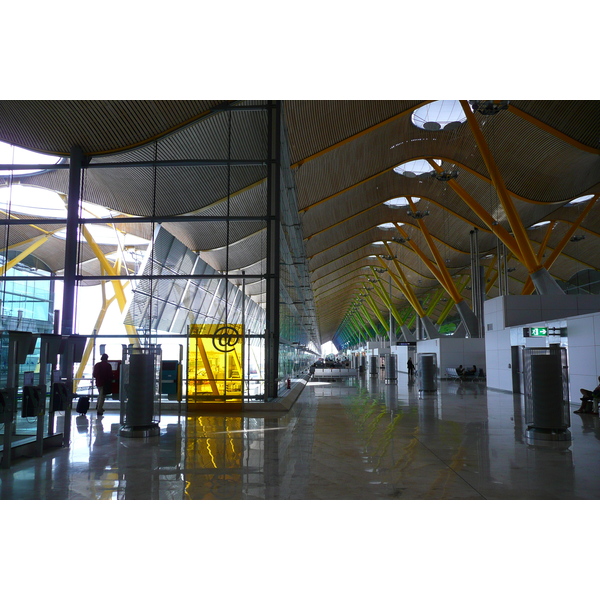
(97, 126)
(342, 155)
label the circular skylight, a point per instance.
(579, 200)
(13, 155)
(438, 115)
(400, 202)
(414, 168)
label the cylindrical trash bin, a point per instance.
(363, 363)
(390, 368)
(427, 373)
(140, 396)
(140, 400)
(547, 405)
(373, 362)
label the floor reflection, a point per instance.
(354, 439)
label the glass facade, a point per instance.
(25, 305)
(225, 254)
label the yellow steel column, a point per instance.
(489, 221)
(528, 288)
(461, 286)
(435, 301)
(404, 286)
(91, 341)
(374, 307)
(526, 251)
(40, 240)
(435, 271)
(542, 248)
(386, 298)
(117, 285)
(450, 288)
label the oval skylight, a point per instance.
(540, 224)
(13, 155)
(579, 200)
(438, 115)
(388, 225)
(414, 168)
(400, 202)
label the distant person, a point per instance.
(103, 374)
(410, 367)
(460, 370)
(589, 400)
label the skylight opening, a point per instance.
(103, 234)
(13, 155)
(579, 200)
(32, 201)
(44, 203)
(400, 202)
(388, 225)
(540, 224)
(414, 168)
(438, 115)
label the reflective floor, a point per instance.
(355, 439)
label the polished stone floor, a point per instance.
(358, 439)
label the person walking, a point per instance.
(411, 367)
(103, 374)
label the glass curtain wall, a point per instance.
(204, 196)
(27, 303)
(299, 339)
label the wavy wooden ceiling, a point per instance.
(342, 155)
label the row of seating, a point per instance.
(452, 373)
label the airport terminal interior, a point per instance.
(259, 274)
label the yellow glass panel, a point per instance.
(215, 366)
(214, 451)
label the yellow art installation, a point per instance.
(215, 359)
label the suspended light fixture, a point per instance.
(419, 214)
(445, 175)
(489, 107)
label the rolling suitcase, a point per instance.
(83, 405)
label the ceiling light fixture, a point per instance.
(419, 214)
(400, 240)
(445, 175)
(489, 107)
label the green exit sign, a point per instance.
(538, 331)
